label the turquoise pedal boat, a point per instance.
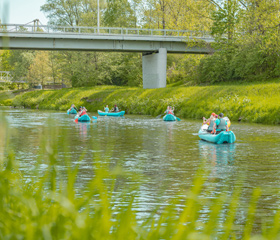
(114, 114)
(84, 118)
(169, 117)
(222, 137)
(72, 111)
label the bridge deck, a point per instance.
(103, 39)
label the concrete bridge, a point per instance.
(154, 44)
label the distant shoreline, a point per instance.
(256, 103)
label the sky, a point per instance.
(21, 11)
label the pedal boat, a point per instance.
(222, 137)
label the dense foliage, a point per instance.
(247, 35)
(246, 46)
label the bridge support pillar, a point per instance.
(154, 69)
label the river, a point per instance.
(166, 154)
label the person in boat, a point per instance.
(73, 107)
(83, 111)
(210, 121)
(79, 111)
(106, 109)
(115, 109)
(171, 110)
(228, 121)
(167, 110)
(220, 124)
(207, 121)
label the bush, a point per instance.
(7, 102)
(249, 61)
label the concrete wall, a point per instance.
(154, 69)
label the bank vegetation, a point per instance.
(258, 102)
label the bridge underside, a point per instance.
(154, 49)
(99, 43)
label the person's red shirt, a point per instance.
(83, 113)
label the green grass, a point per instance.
(6, 98)
(258, 102)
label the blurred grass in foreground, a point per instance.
(48, 206)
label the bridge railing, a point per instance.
(5, 76)
(31, 28)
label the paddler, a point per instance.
(207, 121)
(210, 121)
(220, 124)
(83, 111)
(167, 110)
(171, 110)
(115, 109)
(73, 107)
(106, 109)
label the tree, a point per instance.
(179, 14)
(4, 60)
(40, 70)
(62, 12)
(119, 13)
(226, 18)
(251, 50)
(55, 66)
(20, 61)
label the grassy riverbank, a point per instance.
(6, 98)
(254, 102)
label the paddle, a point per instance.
(77, 119)
(178, 119)
(159, 116)
(94, 117)
(196, 134)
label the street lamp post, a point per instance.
(98, 16)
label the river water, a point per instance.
(166, 154)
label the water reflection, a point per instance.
(170, 126)
(217, 154)
(83, 128)
(221, 157)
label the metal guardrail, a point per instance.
(32, 28)
(5, 76)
